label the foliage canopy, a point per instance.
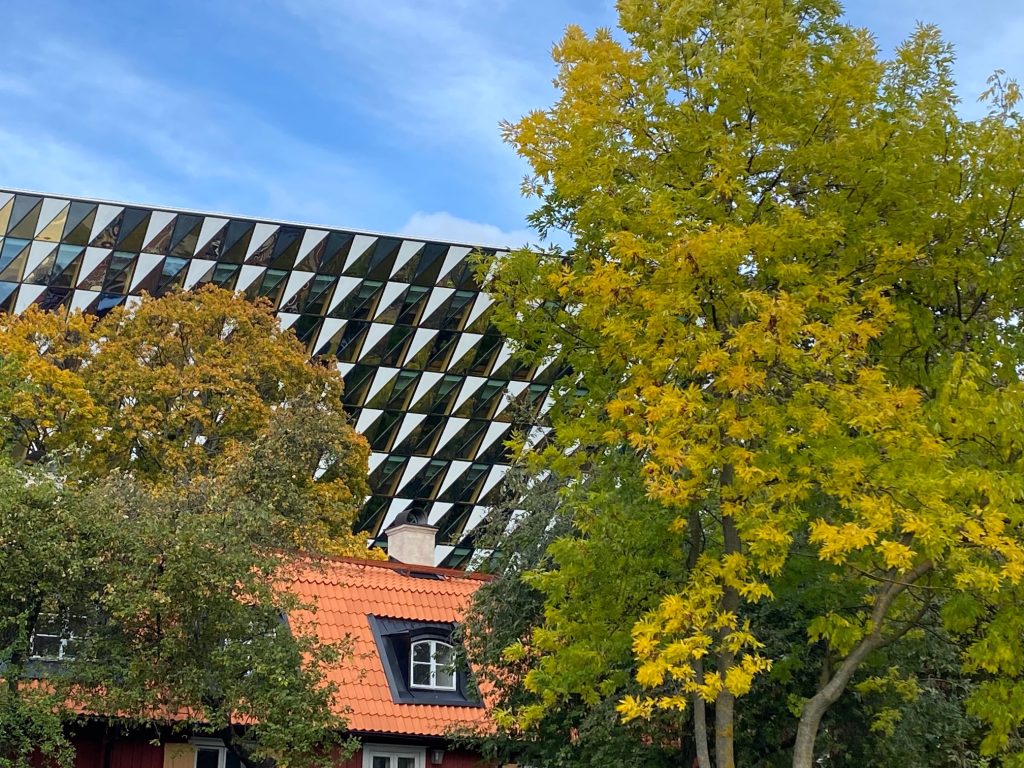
(175, 463)
(793, 296)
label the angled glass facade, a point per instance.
(428, 380)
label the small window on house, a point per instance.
(211, 753)
(433, 665)
(55, 637)
(388, 756)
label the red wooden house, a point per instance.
(400, 692)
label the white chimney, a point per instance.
(411, 543)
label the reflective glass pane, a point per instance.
(421, 674)
(207, 758)
(443, 654)
(444, 677)
(406, 762)
(421, 652)
(381, 761)
(46, 646)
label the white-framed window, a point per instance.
(54, 637)
(386, 756)
(432, 665)
(211, 753)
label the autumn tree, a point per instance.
(792, 294)
(185, 386)
(174, 465)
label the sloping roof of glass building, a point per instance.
(429, 381)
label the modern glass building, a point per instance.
(429, 381)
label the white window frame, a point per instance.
(209, 743)
(433, 665)
(370, 751)
(64, 639)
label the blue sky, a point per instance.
(373, 115)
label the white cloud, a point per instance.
(437, 69)
(445, 226)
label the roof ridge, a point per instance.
(394, 565)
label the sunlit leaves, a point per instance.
(793, 295)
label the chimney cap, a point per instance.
(412, 516)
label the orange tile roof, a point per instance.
(346, 591)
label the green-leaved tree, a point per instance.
(173, 464)
(793, 295)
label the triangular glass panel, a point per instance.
(52, 230)
(441, 350)
(24, 216)
(357, 381)
(119, 273)
(312, 298)
(93, 275)
(330, 336)
(172, 276)
(65, 266)
(8, 294)
(359, 304)
(211, 235)
(52, 298)
(236, 241)
(286, 248)
(311, 250)
(405, 262)
(391, 301)
(147, 273)
(6, 206)
(359, 255)
(395, 344)
(273, 285)
(335, 252)
(12, 260)
(185, 236)
(428, 265)
(382, 261)
(348, 347)
(261, 246)
(40, 272)
(412, 304)
(106, 302)
(133, 230)
(306, 328)
(225, 275)
(79, 224)
(161, 241)
(107, 236)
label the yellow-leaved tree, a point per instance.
(187, 386)
(794, 295)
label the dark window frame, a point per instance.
(394, 639)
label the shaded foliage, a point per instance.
(175, 464)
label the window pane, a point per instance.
(406, 762)
(381, 761)
(443, 655)
(207, 758)
(421, 674)
(421, 652)
(444, 678)
(46, 646)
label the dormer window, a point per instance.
(421, 663)
(432, 665)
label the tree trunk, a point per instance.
(817, 705)
(725, 707)
(700, 721)
(725, 702)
